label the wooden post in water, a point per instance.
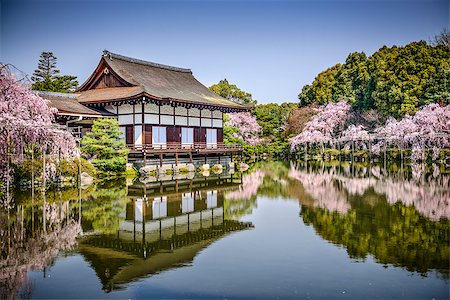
(339, 149)
(353, 150)
(144, 152)
(401, 152)
(322, 149)
(306, 151)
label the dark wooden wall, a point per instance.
(129, 134)
(147, 134)
(219, 135)
(107, 80)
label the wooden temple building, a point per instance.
(162, 110)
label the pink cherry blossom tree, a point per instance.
(248, 129)
(429, 127)
(26, 124)
(322, 128)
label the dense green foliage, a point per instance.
(273, 117)
(395, 81)
(232, 92)
(46, 78)
(106, 204)
(389, 235)
(66, 167)
(105, 146)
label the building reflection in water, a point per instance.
(165, 225)
(124, 232)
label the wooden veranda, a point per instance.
(138, 152)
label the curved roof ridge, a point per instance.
(111, 56)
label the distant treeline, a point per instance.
(394, 81)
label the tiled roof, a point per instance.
(67, 103)
(155, 80)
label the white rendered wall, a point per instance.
(217, 123)
(151, 119)
(180, 111)
(194, 112)
(167, 120)
(125, 120)
(125, 109)
(180, 120)
(151, 108)
(166, 109)
(206, 122)
(206, 113)
(194, 121)
(217, 114)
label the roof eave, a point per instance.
(145, 94)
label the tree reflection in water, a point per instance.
(400, 219)
(31, 238)
(397, 215)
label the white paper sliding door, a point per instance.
(211, 137)
(159, 137)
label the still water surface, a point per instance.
(282, 229)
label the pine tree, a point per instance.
(106, 146)
(46, 78)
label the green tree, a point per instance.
(395, 81)
(232, 92)
(273, 118)
(105, 146)
(46, 78)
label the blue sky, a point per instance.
(268, 48)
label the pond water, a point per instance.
(281, 229)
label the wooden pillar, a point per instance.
(134, 126)
(161, 159)
(190, 156)
(176, 158)
(144, 142)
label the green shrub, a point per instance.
(105, 146)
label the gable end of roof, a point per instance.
(112, 56)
